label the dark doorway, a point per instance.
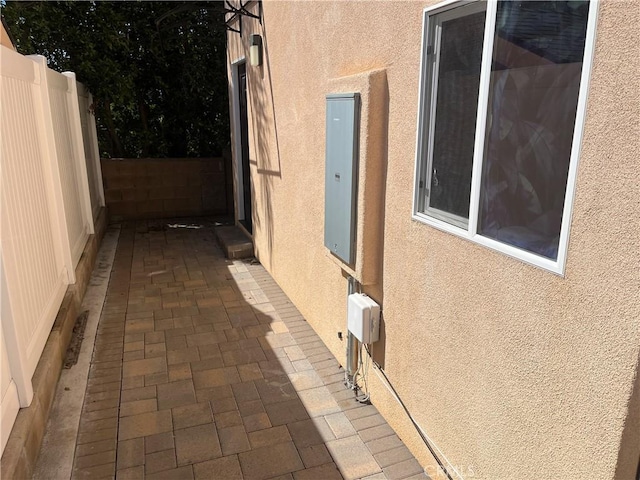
(245, 219)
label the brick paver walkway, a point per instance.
(203, 368)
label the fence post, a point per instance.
(17, 356)
(93, 134)
(52, 170)
(78, 148)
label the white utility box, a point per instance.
(363, 318)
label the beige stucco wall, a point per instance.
(512, 371)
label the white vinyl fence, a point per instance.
(46, 212)
(91, 152)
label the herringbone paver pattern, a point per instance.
(204, 369)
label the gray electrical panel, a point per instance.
(341, 175)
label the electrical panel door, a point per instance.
(341, 175)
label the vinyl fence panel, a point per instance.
(32, 248)
(46, 213)
(91, 151)
(9, 399)
(71, 163)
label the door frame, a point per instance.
(238, 180)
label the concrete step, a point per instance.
(234, 242)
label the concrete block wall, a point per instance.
(165, 187)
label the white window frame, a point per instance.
(423, 145)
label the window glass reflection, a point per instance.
(456, 111)
(535, 79)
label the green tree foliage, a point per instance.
(157, 70)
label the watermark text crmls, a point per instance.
(438, 472)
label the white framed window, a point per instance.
(502, 101)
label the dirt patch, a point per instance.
(73, 351)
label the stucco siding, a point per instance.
(512, 371)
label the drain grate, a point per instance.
(73, 351)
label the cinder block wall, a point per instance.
(165, 187)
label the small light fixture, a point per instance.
(255, 51)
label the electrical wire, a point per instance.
(354, 386)
(406, 410)
(364, 367)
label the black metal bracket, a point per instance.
(238, 12)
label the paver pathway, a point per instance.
(204, 369)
